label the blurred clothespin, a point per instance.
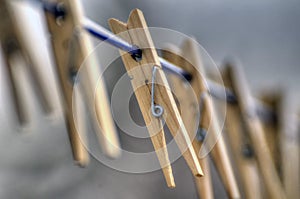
(154, 97)
(14, 45)
(189, 58)
(273, 100)
(282, 135)
(237, 82)
(289, 132)
(189, 104)
(71, 47)
(242, 153)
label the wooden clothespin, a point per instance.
(242, 153)
(273, 100)
(238, 84)
(289, 132)
(189, 59)
(136, 32)
(189, 105)
(282, 135)
(13, 44)
(69, 39)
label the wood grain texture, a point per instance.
(254, 127)
(141, 72)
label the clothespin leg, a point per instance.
(21, 112)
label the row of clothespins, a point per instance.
(252, 139)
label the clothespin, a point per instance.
(243, 156)
(13, 44)
(190, 107)
(242, 153)
(289, 132)
(273, 100)
(71, 46)
(246, 103)
(282, 138)
(189, 59)
(155, 99)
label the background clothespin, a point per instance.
(191, 61)
(273, 100)
(189, 104)
(242, 152)
(289, 132)
(254, 128)
(282, 136)
(71, 46)
(142, 70)
(14, 46)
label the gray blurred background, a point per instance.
(36, 161)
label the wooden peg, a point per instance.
(282, 138)
(61, 36)
(289, 147)
(13, 44)
(189, 106)
(71, 46)
(273, 99)
(136, 32)
(254, 127)
(242, 152)
(191, 62)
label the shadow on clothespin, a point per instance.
(14, 46)
(155, 98)
(236, 81)
(189, 58)
(71, 47)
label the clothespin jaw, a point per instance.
(13, 45)
(190, 105)
(67, 34)
(136, 32)
(190, 60)
(235, 80)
